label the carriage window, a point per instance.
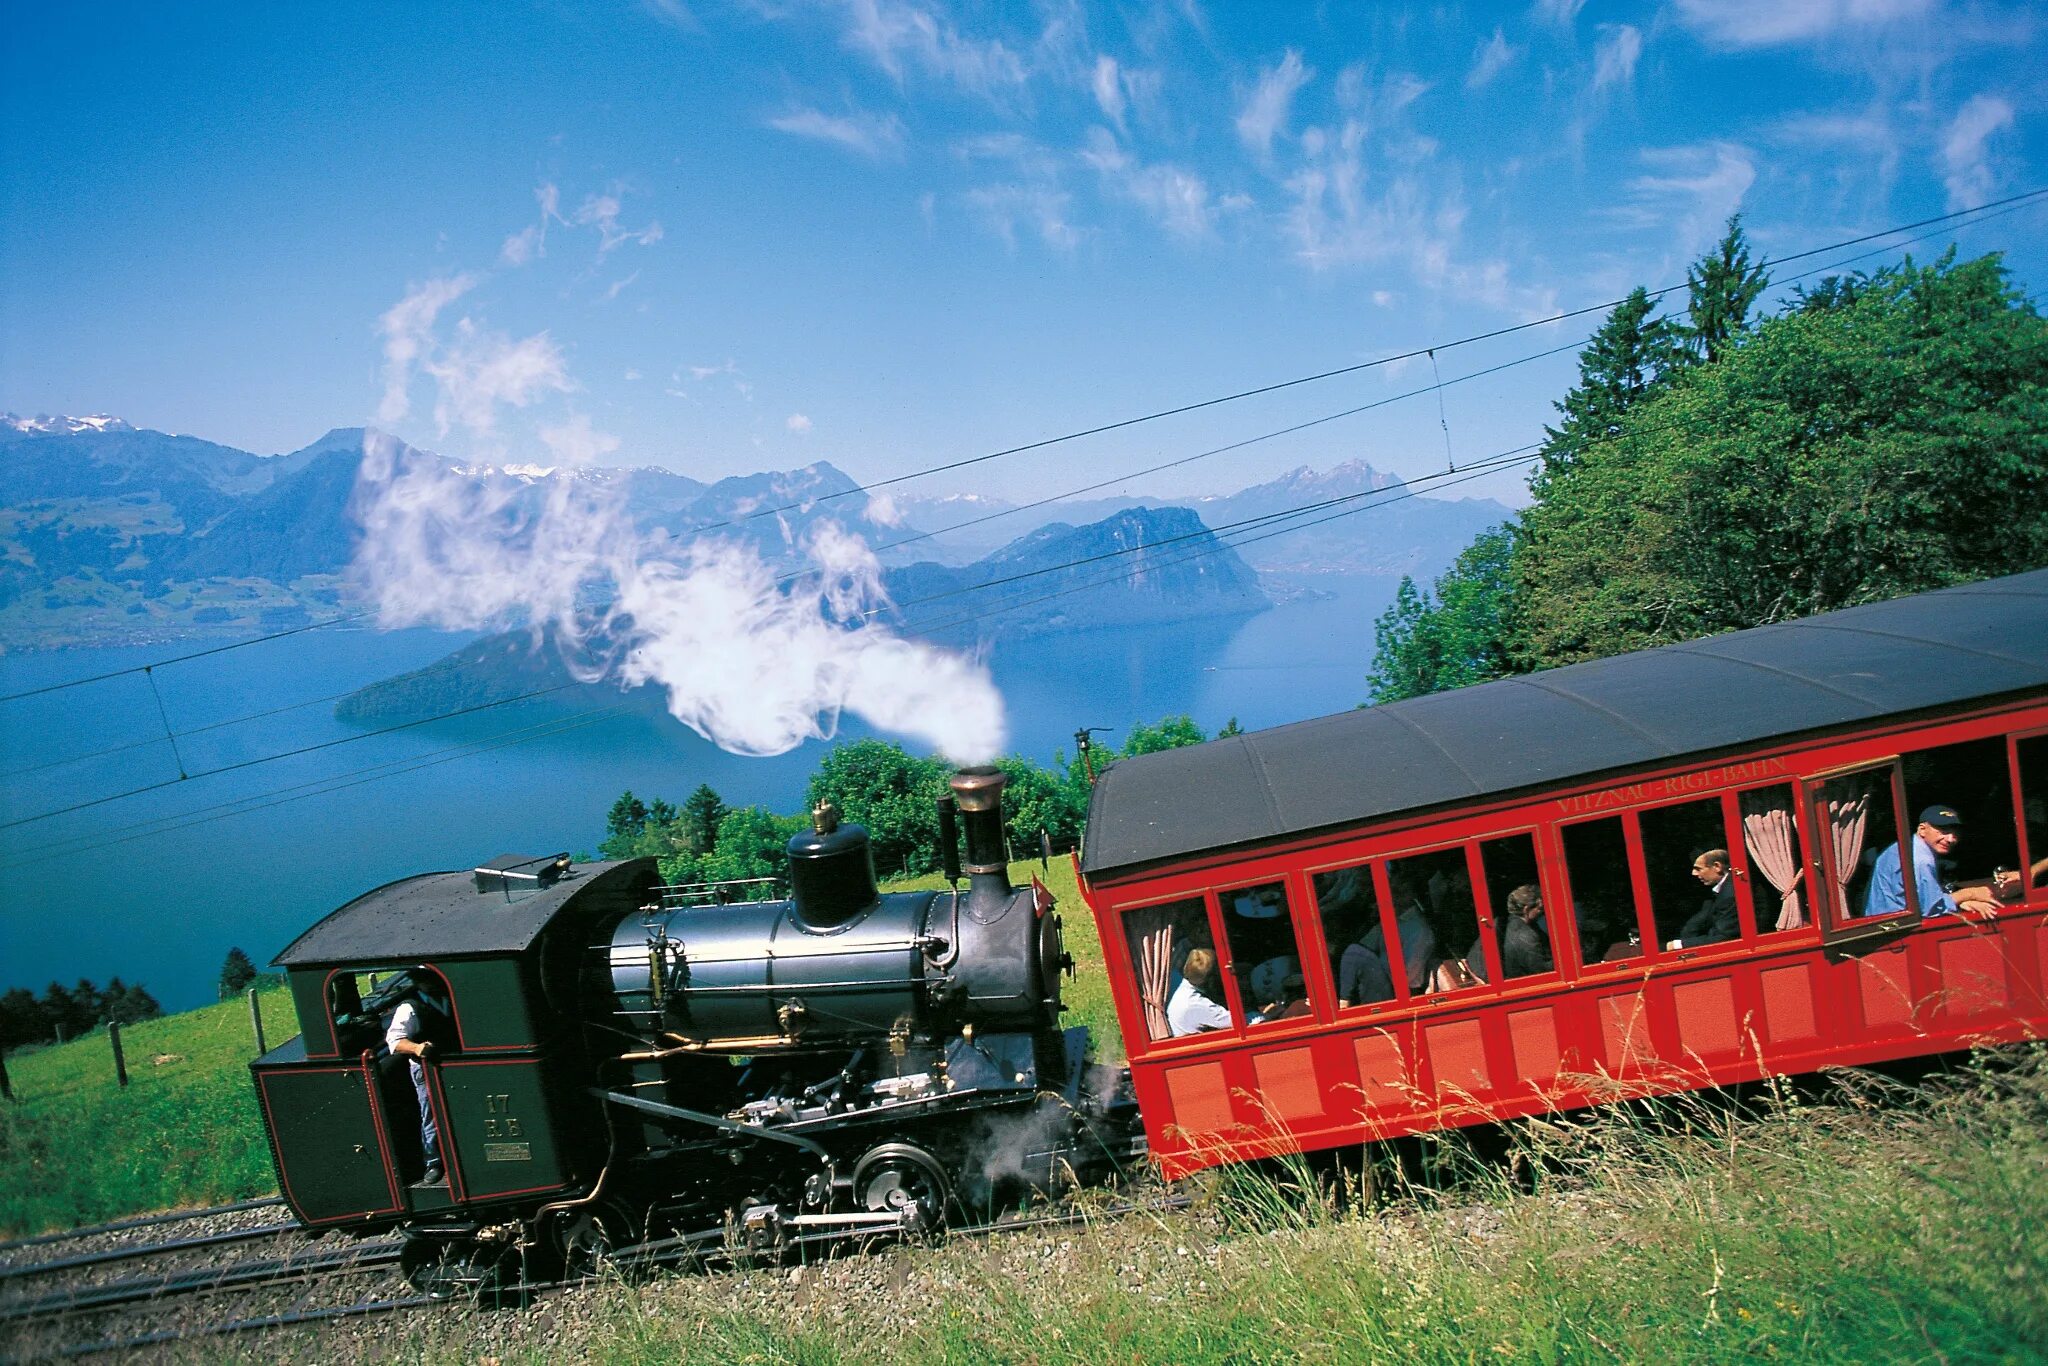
(1433, 906)
(1521, 928)
(1168, 944)
(1602, 910)
(1858, 819)
(1265, 956)
(1777, 873)
(2033, 753)
(1692, 887)
(1360, 962)
(1972, 780)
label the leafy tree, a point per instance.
(1721, 288)
(702, 812)
(752, 842)
(1621, 364)
(623, 825)
(21, 1019)
(1168, 733)
(1463, 634)
(236, 973)
(1037, 799)
(879, 785)
(1892, 441)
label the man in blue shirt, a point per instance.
(1938, 832)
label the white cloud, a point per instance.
(522, 246)
(601, 211)
(1965, 156)
(576, 442)
(618, 286)
(1860, 150)
(1266, 112)
(480, 371)
(1770, 23)
(1559, 12)
(1041, 208)
(1615, 54)
(1691, 189)
(871, 135)
(1177, 198)
(797, 422)
(898, 35)
(408, 328)
(631, 375)
(1382, 299)
(1109, 91)
(1492, 58)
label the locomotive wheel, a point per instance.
(903, 1179)
(585, 1239)
(447, 1269)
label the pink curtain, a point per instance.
(1151, 933)
(1772, 837)
(1848, 820)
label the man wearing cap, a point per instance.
(1939, 830)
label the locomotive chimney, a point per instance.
(979, 794)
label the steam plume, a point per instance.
(754, 668)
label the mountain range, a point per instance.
(115, 534)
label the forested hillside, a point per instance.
(1878, 434)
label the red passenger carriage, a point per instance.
(1398, 834)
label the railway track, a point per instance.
(711, 1250)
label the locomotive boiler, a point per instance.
(609, 1058)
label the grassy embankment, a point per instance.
(1912, 1229)
(77, 1149)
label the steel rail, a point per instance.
(162, 1336)
(142, 1221)
(137, 1251)
(368, 1256)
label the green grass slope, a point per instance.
(75, 1148)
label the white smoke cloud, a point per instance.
(752, 666)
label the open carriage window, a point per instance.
(1971, 784)
(1265, 953)
(1770, 836)
(1174, 957)
(1521, 922)
(1361, 964)
(1691, 874)
(2033, 757)
(1602, 906)
(1438, 920)
(1858, 823)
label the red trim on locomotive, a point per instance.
(1771, 1002)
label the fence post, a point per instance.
(120, 1063)
(6, 1086)
(256, 1019)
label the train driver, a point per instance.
(1938, 833)
(404, 1036)
(1193, 1006)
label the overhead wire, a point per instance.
(1217, 539)
(1548, 320)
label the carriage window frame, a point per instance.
(1383, 905)
(1475, 874)
(1847, 928)
(1638, 890)
(1226, 952)
(1144, 1038)
(2030, 890)
(1492, 918)
(1748, 879)
(1738, 868)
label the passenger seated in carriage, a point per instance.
(1193, 1007)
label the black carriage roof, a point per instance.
(1911, 654)
(444, 915)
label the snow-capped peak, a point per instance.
(64, 426)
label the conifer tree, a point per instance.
(1721, 288)
(1622, 363)
(236, 972)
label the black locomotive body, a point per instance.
(609, 1059)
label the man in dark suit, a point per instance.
(1714, 922)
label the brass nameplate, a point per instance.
(508, 1152)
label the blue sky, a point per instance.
(890, 233)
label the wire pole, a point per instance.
(120, 1063)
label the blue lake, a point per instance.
(156, 886)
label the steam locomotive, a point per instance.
(609, 1059)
